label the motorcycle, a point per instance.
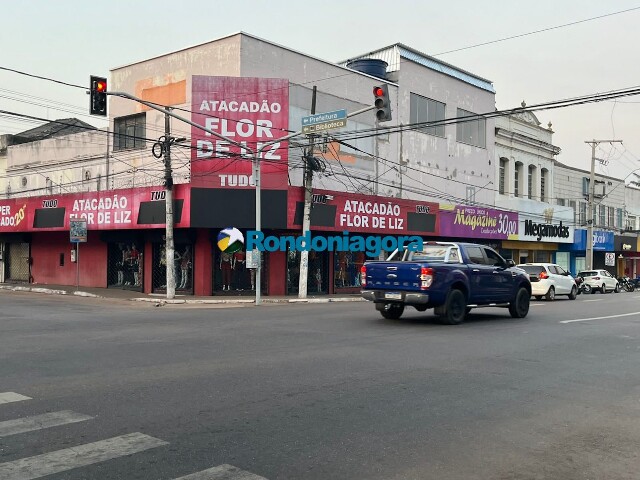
(583, 287)
(626, 284)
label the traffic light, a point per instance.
(98, 100)
(382, 103)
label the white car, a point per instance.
(600, 280)
(549, 280)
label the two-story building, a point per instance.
(373, 178)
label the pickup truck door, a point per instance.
(503, 281)
(481, 281)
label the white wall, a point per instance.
(444, 166)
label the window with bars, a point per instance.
(619, 218)
(129, 132)
(583, 213)
(530, 180)
(503, 171)
(543, 184)
(423, 110)
(611, 213)
(471, 130)
(516, 179)
(602, 214)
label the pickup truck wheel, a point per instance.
(392, 311)
(455, 308)
(519, 307)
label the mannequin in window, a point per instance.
(134, 259)
(226, 266)
(120, 265)
(239, 262)
(185, 267)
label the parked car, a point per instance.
(600, 280)
(452, 278)
(549, 280)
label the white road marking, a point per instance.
(38, 422)
(594, 300)
(600, 318)
(222, 472)
(8, 397)
(80, 456)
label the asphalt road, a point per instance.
(120, 390)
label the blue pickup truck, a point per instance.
(452, 278)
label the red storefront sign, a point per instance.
(107, 210)
(340, 211)
(250, 111)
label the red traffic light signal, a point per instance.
(382, 103)
(98, 96)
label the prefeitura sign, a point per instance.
(250, 111)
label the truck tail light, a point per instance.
(543, 275)
(426, 277)
(363, 276)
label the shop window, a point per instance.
(182, 264)
(231, 275)
(18, 268)
(125, 265)
(346, 269)
(318, 272)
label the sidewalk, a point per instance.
(123, 294)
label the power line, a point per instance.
(537, 31)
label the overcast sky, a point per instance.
(69, 40)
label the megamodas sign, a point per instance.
(253, 113)
(550, 225)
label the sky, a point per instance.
(70, 40)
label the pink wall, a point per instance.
(46, 248)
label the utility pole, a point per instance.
(306, 217)
(592, 182)
(168, 187)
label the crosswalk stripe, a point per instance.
(80, 456)
(222, 472)
(8, 397)
(38, 422)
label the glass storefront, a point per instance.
(230, 273)
(318, 277)
(182, 264)
(125, 265)
(346, 269)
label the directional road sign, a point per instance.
(324, 121)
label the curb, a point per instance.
(48, 291)
(161, 301)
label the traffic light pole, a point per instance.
(306, 217)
